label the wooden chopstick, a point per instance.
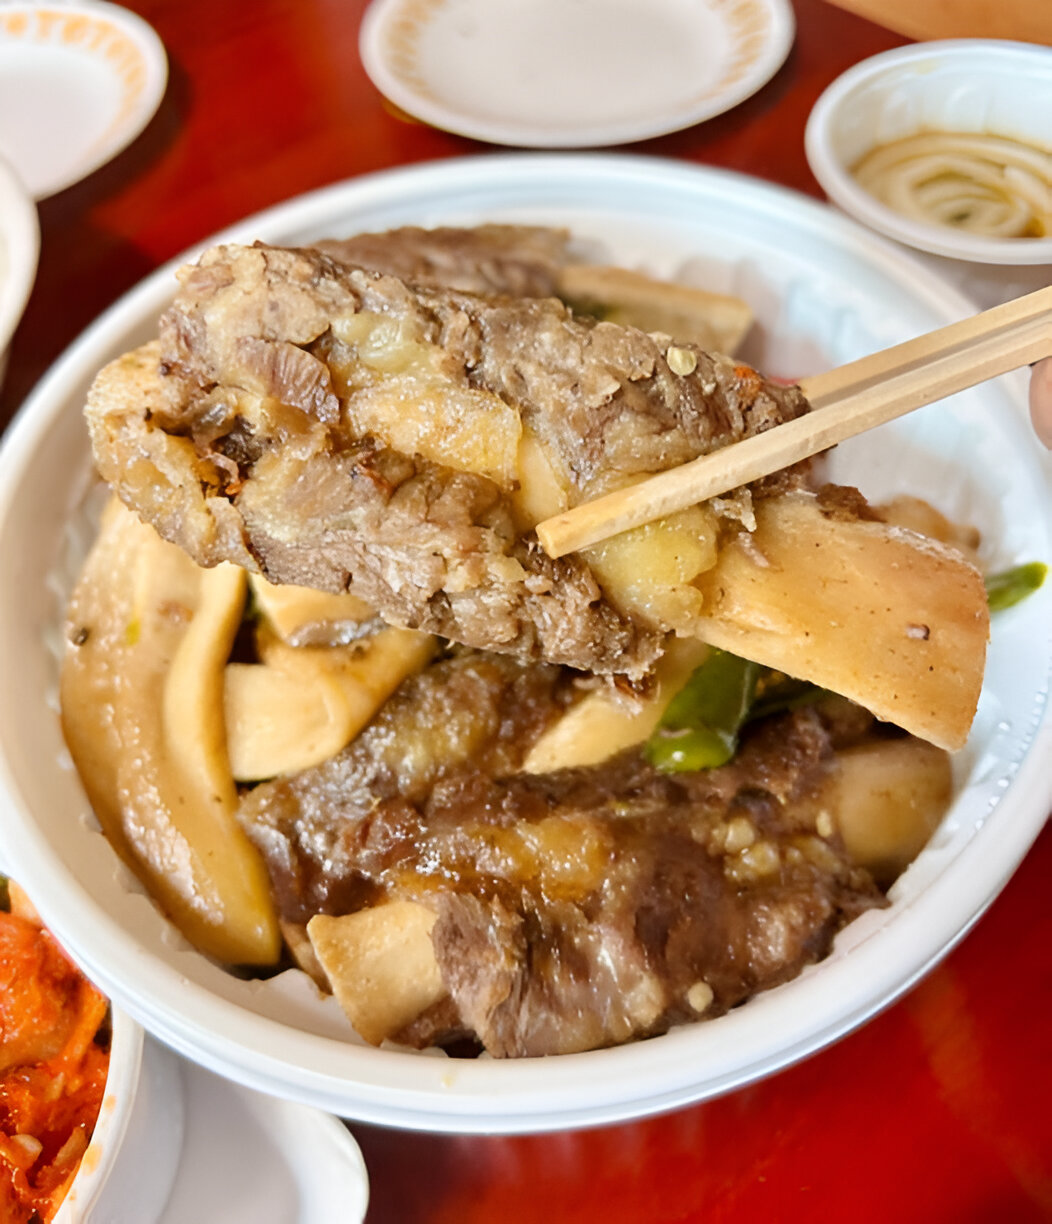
(848, 401)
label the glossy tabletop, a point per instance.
(938, 1110)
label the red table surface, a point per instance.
(939, 1109)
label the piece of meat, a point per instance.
(577, 909)
(506, 260)
(316, 829)
(247, 442)
(603, 397)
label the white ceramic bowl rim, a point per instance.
(1016, 58)
(195, 1012)
(19, 251)
(122, 1083)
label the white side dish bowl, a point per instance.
(174, 1144)
(824, 291)
(128, 1168)
(19, 251)
(976, 86)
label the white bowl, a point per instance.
(128, 1168)
(960, 85)
(79, 80)
(825, 291)
(172, 1141)
(174, 1144)
(19, 250)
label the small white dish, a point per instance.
(175, 1144)
(79, 80)
(130, 1164)
(19, 251)
(977, 86)
(248, 1158)
(572, 73)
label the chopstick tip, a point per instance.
(549, 533)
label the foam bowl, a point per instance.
(959, 85)
(825, 290)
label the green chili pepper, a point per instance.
(699, 729)
(1009, 587)
(783, 695)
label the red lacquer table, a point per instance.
(939, 1109)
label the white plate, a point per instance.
(239, 1156)
(572, 73)
(79, 80)
(825, 290)
(248, 1158)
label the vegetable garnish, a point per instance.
(1009, 587)
(702, 722)
(700, 726)
(777, 694)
